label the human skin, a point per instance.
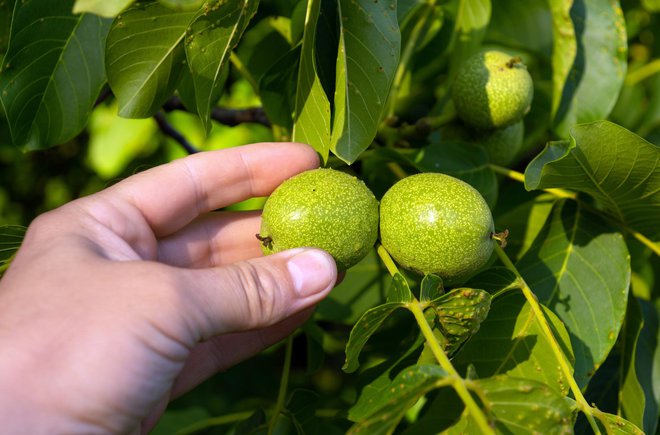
(118, 302)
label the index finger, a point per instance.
(172, 195)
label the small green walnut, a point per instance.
(502, 144)
(321, 208)
(492, 90)
(434, 223)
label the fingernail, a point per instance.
(312, 271)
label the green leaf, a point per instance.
(460, 314)
(275, 90)
(579, 267)
(472, 21)
(521, 406)
(495, 280)
(524, 223)
(589, 89)
(615, 166)
(182, 5)
(145, 56)
(461, 160)
(11, 237)
(614, 425)
(311, 124)
(380, 414)
(522, 26)
(363, 329)
(511, 342)
(48, 85)
(651, 5)
(367, 59)
(6, 11)
(631, 405)
(400, 290)
(104, 8)
(210, 38)
(564, 49)
(647, 365)
(431, 288)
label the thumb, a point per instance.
(259, 292)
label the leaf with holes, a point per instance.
(615, 166)
(48, 86)
(520, 406)
(579, 267)
(380, 414)
(367, 59)
(511, 342)
(145, 56)
(460, 314)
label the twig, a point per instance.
(172, 132)
(230, 117)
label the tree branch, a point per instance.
(172, 132)
(230, 117)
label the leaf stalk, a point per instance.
(457, 382)
(533, 301)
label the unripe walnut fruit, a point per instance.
(435, 223)
(492, 90)
(321, 208)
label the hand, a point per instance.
(118, 302)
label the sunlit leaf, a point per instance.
(145, 56)
(579, 267)
(616, 425)
(596, 56)
(311, 124)
(510, 341)
(104, 8)
(210, 38)
(615, 166)
(472, 21)
(48, 85)
(366, 62)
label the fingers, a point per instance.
(220, 353)
(172, 195)
(213, 240)
(257, 293)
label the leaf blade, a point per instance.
(579, 266)
(49, 85)
(368, 55)
(311, 123)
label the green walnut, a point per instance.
(503, 144)
(434, 223)
(492, 90)
(325, 209)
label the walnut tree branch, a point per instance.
(172, 132)
(230, 117)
